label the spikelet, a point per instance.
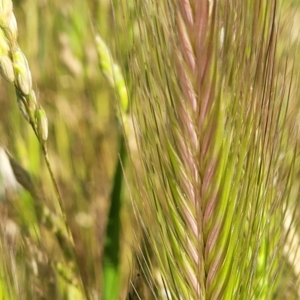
(113, 73)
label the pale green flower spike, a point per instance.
(113, 73)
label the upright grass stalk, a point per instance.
(217, 145)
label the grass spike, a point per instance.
(211, 139)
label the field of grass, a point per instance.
(86, 209)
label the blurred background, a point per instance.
(58, 39)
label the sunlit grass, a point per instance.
(89, 129)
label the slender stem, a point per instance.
(55, 185)
(62, 208)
